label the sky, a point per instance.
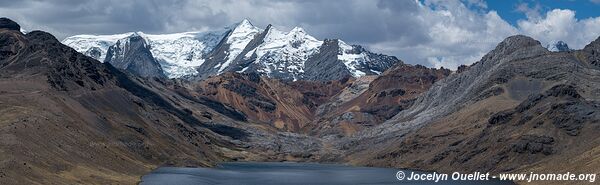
(434, 33)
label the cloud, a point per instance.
(532, 13)
(454, 35)
(477, 3)
(430, 32)
(562, 25)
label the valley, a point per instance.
(69, 117)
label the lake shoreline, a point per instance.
(296, 172)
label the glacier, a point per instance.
(276, 53)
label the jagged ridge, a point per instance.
(243, 47)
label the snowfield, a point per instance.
(180, 54)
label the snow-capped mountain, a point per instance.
(94, 46)
(178, 54)
(243, 47)
(283, 54)
(230, 47)
(237, 40)
(557, 46)
(133, 54)
(296, 55)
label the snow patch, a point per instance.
(352, 59)
(87, 43)
(238, 38)
(285, 52)
(178, 53)
(281, 54)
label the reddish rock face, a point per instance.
(386, 95)
(395, 89)
(318, 107)
(287, 106)
(341, 106)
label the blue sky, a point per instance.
(435, 33)
(508, 9)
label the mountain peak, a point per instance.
(133, 54)
(520, 41)
(6, 23)
(41, 36)
(240, 47)
(297, 30)
(134, 35)
(244, 27)
(245, 22)
(514, 43)
(558, 46)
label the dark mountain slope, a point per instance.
(520, 108)
(324, 65)
(69, 119)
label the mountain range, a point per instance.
(242, 47)
(113, 112)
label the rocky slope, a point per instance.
(520, 108)
(378, 100)
(242, 47)
(133, 55)
(68, 119)
(264, 100)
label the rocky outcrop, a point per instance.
(495, 68)
(590, 53)
(377, 62)
(8, 24)
(267, 101)
(133, 54)
(386, 95)
(325, 66)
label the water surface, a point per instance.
(275, 173)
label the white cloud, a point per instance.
(436, 33)
(532, 13)
(477, 3)
(460, 35)
(562, 25)
(429, 32)
(456, 35)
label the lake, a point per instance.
(271, 173)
